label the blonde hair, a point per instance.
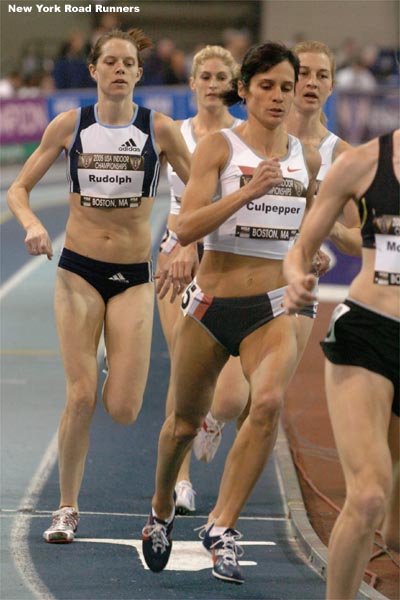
(321, 48)
(314, 46)
(209, 52)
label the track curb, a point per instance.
(315, 551)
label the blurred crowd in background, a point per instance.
(40, 71)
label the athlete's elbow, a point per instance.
(184, 233)
(10, 197)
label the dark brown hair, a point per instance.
(134, 36)
(259, 59)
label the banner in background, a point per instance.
(177, 102)
(363, 116)
(343, 268)
(23, 120)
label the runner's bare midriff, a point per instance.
(381, 298)
(123, 237)
(225, 274)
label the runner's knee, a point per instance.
(368, 504)
(266, 407)
(184, 429)
(81, 399)
(123, 410)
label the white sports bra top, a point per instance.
(175, 183)
(265, 227)
(327, 149)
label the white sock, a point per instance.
(217, 530)
(168, 521)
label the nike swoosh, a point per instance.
(292, 170)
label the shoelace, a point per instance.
(64, 519)
(203, 528)
(158, 534)
(230, 550)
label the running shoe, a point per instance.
(63, 526)
(185, 502)
(157, 542)
(224, 551)
(207, 441)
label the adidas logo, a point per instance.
(130, 146)
(118, 277)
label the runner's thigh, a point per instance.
(128, 330)
(197, 362)
(269, 358)
(359, 403)
(79, 312)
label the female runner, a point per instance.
(114, 149)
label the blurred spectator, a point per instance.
(346, 52)
(296, 38)
(10, 84)
(37, 84)
(47, 84)
(237, 41)
(157, 66)
(31, 60)
(356, 77)
(70, 68)
(107, 22)
(177, 70)
(386, 66)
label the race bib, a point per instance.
(195, 302)
(387, 259)
(110, 180)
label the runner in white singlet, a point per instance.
(213, 69)
(265, 181)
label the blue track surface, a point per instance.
(105, 561)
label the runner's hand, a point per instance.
(37, 241)
(266, 175)
(178, 272)
(320, 263)
(299, 294)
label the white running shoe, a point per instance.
(207, 441)
(185, 501)
(63, 526)
(105, 363)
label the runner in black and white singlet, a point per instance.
(362, 353)
(114, 150)
(247, 194)
(213, 69)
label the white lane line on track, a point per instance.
(19, 546)
(185, 556)
(30, 513)
(31, 266)
(20, 529)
